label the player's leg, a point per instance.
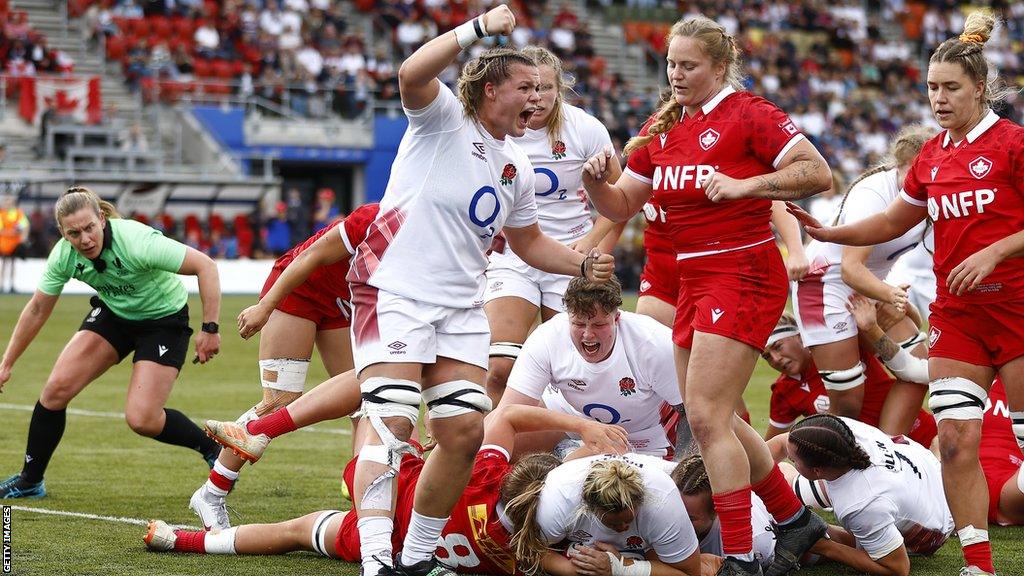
(1011, 499)
(958, 394)
(842, 373)
(456, 401)
(904, 401)
(510, 319)
(85, 357)
(656, 308)
(315, 532)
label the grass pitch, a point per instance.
(111, 476)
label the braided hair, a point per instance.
(825, 441)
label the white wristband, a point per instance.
(637, 568)
(469, 32)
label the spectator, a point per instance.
(326, 209)
(277, 231)
(134, 139)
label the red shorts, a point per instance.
(347, 541)
(660, 278)
(980, 334)
(924, 429)
(320, 307)
(998, 468)
(739, 295)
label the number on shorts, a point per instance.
(456, 551)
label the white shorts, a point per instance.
(820, 309)
(508, 275)
(650, 441)
(390, 329)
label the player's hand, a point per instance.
(718, 188)
(253, 319)
(586, 244)
(863, 311)
(797, 265)
(601, 438)
(600, 267)
(888, 316)
(814, 229)
(5, 375)
(591, 562)
(500, 21)
(207, 346)
(709, 564)
(595, 169)
(898, 297)
(968, 274)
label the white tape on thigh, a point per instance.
(843, 379)
(1017, 422)
(812, 493)
(318, 537)
(508, 350)
(389, 397)
(908, 367)
(455, 399)
(956, 398)
(291, 374)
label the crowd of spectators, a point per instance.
(26, 52)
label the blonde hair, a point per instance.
(719, 46)
(494, 66)
(520, 491)
(902, 150)
(76, 198)
(563, 83)
(968, 50)
(612, 485)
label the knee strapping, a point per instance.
(286, 374)
(508, 350)
(318, 537)
(1017, 422)
(908, 367)
(956, 398)
(389, 397)
(455, 399)
(843, 379)
(812, 493)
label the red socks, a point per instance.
(734, 516)
(190, 541)
(273, 425)
(778, 496)
(221, 481)
(979, 555)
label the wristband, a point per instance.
(210, 327)
(583, 265)
(469, 32)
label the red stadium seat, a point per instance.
(117, 47)
(184, 27)
(216, 223)
(161, 27)
(139, 27)
(201, 68)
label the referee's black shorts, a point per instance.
(162, 340)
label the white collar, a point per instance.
(987, 122)
(711, 104)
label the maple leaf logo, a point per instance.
(62, 102)
(708, 138)
(980, 166)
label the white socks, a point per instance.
(421, 540)
(375, 542)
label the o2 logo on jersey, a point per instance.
(594, 411)
(980, 167)
(554, 184)
(484, 208)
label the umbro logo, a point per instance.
(980, 167)
(161, 349)
(840, 326)
(479, 153)
(716, 314)
(577, 384)
(397, 346)
(708, 138)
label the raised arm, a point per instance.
(417, 77)
(32, 318)
(619, 201)
(544, 253)
(205, 269)
(327, 250)
(894, 222)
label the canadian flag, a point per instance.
(72, 96)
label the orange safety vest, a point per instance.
(12, 223)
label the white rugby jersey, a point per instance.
(867, 198)
(661, 523)
(760, 522)
(452, 188)
(897, 499)
(562, 206)
(626, 389)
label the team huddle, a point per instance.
(606, 442)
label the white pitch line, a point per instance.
(120, 519)
(120, 416)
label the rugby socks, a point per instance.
(202, 542)
(44, 434)
(274, 424)
(421, 539)
(375, 542)
(180, 431)
(778, 497)
(188, 541)
(221, 480)
(977, 548)
(733, 510)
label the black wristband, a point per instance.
(210, 327)
(477, 27)
(583, 266)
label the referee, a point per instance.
(140, 306)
